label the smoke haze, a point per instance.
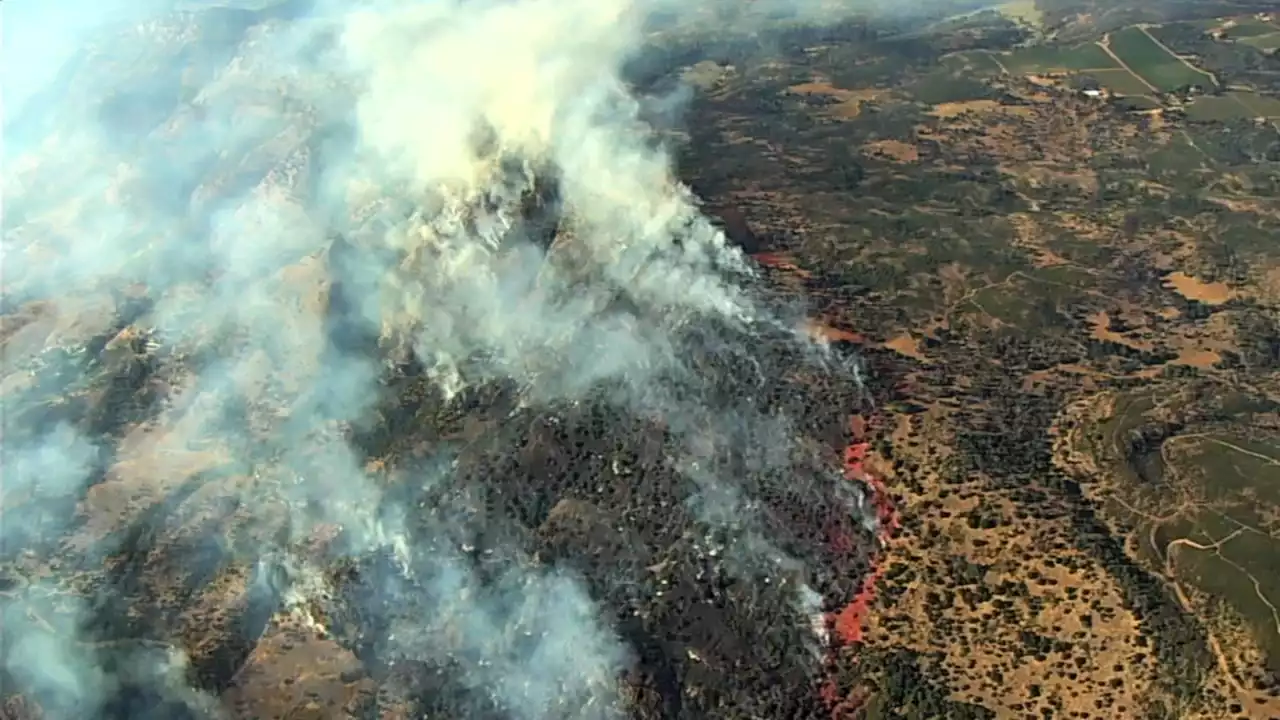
(284, 199)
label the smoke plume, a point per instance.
(224, 221)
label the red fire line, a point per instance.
(850, 622)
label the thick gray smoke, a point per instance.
(218, 174)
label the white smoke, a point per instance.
(211, 152)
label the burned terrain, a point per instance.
(725, 617)
(949, 389)
(534, 440)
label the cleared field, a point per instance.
(1206, 512)
(1237, 469)
(1232, 550)
(1234, 105)
(1023, 10)
(1120, 81)
(937, 88)
(1262, 105)
(1204, 25)
(1137, 50)
(1047, 59)
(976, 61)
(1207, 109)
(1179, 156)
(1030, 301)
(1153, 63)
(1242, 572)
(1252, 27)
(1265, 43)
(1136, 103)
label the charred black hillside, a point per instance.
(619, 496)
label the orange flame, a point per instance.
(850, 622)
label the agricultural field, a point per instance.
(1194, 476)
(1120, 81)
(1261, 105)
(1048, 59)
(1153, 63)
(1203, 499)
(1266, 43)
(979, 62)
(1217, 109)
(1025, 11)
(1137, 103)
(1250, 27)
(1234, 105)
(1244, 62)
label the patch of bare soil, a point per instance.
(1102, 331)
(894, 150)
(296, 672)
(850, 101)
(1209, 293)
(956, 109)
(822, 330)
(1198, 358)
(908, 346)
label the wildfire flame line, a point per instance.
(850, 621)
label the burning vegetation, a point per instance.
(444, 392)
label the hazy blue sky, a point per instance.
(39, 36)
